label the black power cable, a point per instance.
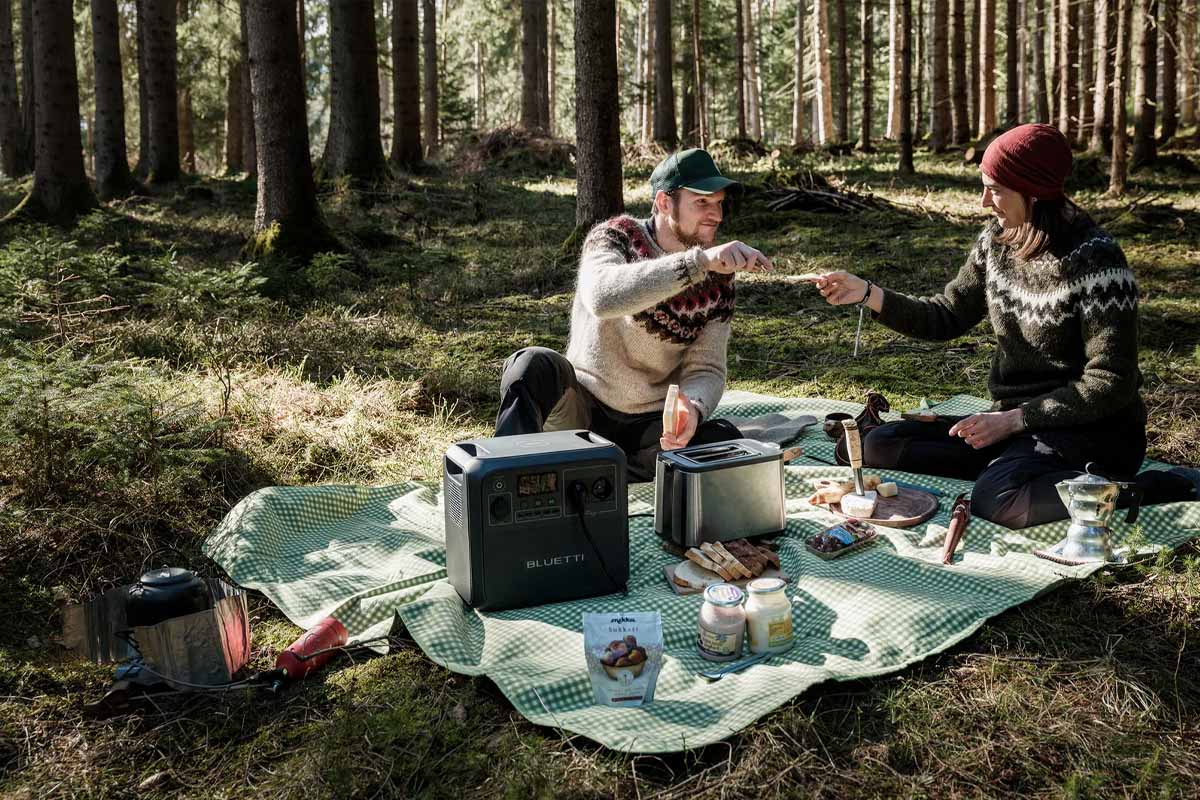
(579, 494)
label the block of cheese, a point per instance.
(888, 489)
(859, 505)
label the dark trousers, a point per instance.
(1014, 478)
(539, 391)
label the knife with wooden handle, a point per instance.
(960, 515)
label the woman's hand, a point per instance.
(841, 288)
(687, 417)
(982, 430)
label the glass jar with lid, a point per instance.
(722, 623)
(768, 616)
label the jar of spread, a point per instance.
(768, 616)
(722, 623)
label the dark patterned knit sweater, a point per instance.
(1065, 322)
(643, 319)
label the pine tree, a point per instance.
(162, 89)
(824, 92)
(665, 131)
(1118, 167)
(1068, 59)
(429, 50)
(959, 93)
(1102, 107)
(113, 178)
(906, 137)
(1169, 91)
(987, 76)
(867, 20)
(184, 112)
(939, 128)
(1145, 98)
(1012, 56)
(353, 147)
(1041, 98)
(11, 134)
(406, 80)
(843, 83)
(597, 115)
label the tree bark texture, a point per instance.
(552, 69)
(867, 22)
(287, 219)
(234, 162)
(1118, 167)
(688, 125)
(60, 186)
(11, 133)
(920, 56)
(697, 65)
(28, 88)
(429, 51)
(1068, 60)
(597, 120)
(1145, 99)
(1087, 36)
(906, 137)
(960, 116)
(976, 66)
(1101, 132)
(665, 130)
(1169, 90)
(824, 91)
(406, 80)
(843, 82)
(187, 128)
(893, 117)
(987, 75)
(249, 134)
(648, 76)
(798, 77)
(940, 126)
(1041, 98)
(353, 147)
(162, 91)
(740, 68)
(1012, 60)
(1187, 63)
(753, 79)
(113, 178)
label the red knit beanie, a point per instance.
(1034, 160)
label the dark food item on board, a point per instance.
(841, 538)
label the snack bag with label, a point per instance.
(624, 652)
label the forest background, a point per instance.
(285, 242)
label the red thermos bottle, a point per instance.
(295, 663)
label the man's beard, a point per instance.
(687, 239)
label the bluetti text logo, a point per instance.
(556, 561)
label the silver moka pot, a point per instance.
(1091, 501)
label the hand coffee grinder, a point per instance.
(1091, 501)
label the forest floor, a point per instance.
(151, 380)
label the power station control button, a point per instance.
(498, 484)
(602, 488)
(501, 509)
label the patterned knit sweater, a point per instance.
(1065, 322)
(643, 319)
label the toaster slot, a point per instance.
(720, 452)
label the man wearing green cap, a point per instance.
(653, 304)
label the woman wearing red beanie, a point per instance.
(1064, 378)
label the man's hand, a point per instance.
(686, 419)
(982, 430)
(735, 257)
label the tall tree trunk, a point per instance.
(1087, 101)
(1187, 63)
(1012, 59)
(249, 134)
(543, 30)
(353, 148)
(287, 220)
(824, 92)
(740, 73)
(893, 117)
(906, 138)
(143, 75)
(867, 21)
(113, 178)
(939, 129)
(28, 89)
(665, 131)
(798, 78)
(60, 186)
(1068, 58)
(597, 120)
(429, 49)
(1169, 91)
(406, 79)
(976, 66)
(233, 119)
(1024, 72)
(187, 135)
(11, 134)
(753, 85)
(843, 82)
(479, 117)
(1039, 64)
(987, 76)
(383, 24)
(697, 65)
(1118, 167)
(639, 71)
(301, 27)
(960, 109)
(531, 65)
(687, 83)
(1145, 99)
(1101, 132)
(920, 58)
(162, 91)
(648, 110)
(552, 70)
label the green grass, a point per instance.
(178, 379)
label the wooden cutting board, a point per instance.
(909, 507)
(769, 572)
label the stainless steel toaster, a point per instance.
(718, 492)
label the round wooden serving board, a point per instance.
(909, 507)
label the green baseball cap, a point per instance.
(693, 170)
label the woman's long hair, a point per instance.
(1047, 222)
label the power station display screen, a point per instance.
(540, 483)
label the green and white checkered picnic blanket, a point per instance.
(365, 555)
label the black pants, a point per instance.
(539, 391)
(1014, 478)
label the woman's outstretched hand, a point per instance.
(982, 430)
(841, 288)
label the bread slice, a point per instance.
(703, 561)
(690, 575)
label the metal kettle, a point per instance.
(1091, 501)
